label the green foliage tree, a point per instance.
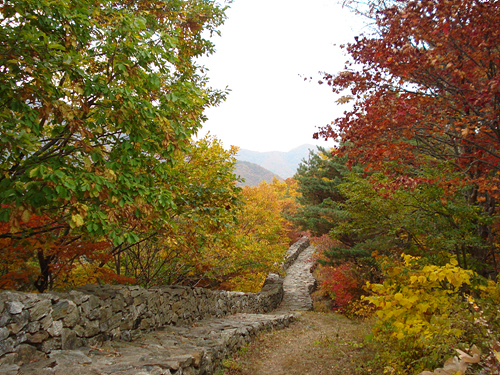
(208, 202)
(321, 203)
(318, 178)
(391, 215)
(96, 98)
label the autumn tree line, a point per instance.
(102, 180)
(407, 204)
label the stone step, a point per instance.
(299, 283)
(198, 349)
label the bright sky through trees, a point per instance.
(266, 50)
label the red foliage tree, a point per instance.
(46, 251)
(426, 91)
(341, 284)
(429, 84)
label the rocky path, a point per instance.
(180, 350)
(314, 344)
(299, 284)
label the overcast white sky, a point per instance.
(266, 49)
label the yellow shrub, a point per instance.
(416, 300)
(423, 311)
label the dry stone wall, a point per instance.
(294, 251)
(32, 324)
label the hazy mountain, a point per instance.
(253, 173)
(283, 164)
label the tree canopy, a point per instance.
(427, 84)
(96, 98)
(425, 92)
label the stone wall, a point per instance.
(92, 314)
(294, 251)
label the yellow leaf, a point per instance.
(88, 163)
(423, 307)
(26, 216)
(76, 220)
(34, 171)
(110, 174)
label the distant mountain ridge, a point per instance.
(283, 164)
(253, 174)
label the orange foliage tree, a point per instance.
(261, 236)
(288, 193)
(47, 257)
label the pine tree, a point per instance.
(321, 205)
(318, 178)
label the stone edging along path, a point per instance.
(190, 349)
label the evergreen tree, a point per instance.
(321, 208)
(318, 178)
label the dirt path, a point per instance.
(316, 344)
